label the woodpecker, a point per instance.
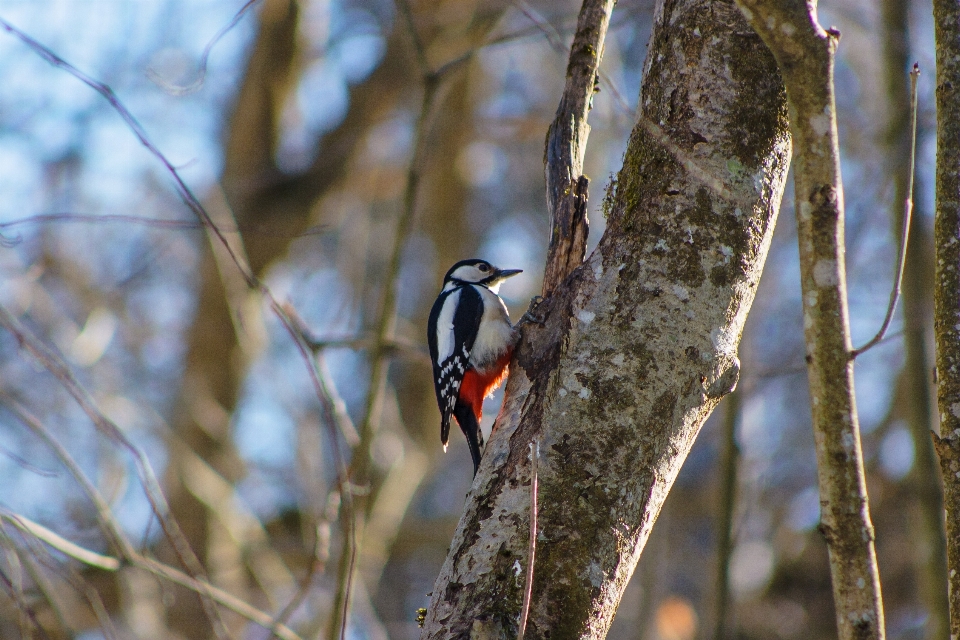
(471, 340)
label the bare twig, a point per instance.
(181, 90)
(404, 8)
(158, 502)
(107, 522)
(159, 223)
(159, 569)
(112, 527)
(318, 561)
(195, 206)
(43, 586)
(64, 546)
(22, 604)
(383, 334)
(392, 347)
(555, 40)
(907, 215)
(69, 573)
(532, 549)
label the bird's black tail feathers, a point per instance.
(471, 429)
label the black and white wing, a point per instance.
(451, 331)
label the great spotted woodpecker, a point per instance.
(471, 341)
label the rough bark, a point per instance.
(567, 142)
(948, 449)
(638, 346)
(805, 54)
(946, 300)
(917, 299)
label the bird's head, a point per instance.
(476, 271)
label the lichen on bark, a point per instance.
(638, 346)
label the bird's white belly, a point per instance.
(495, 336)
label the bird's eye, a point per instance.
(483, 268)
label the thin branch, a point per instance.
(61, 544)
(129, 553)
(159, 569)
(108, 523)
(907, 215)
(383, 335)
(41, 582)
(181, 90)
(318, 562)
(160, 223)
(187, 196)
(403, 7)
(727, 504)
(555, 40)
(71, 575)
(158, 502)
(22, 604)
(15, 568)
(532, 549)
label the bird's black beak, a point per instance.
(503, 274)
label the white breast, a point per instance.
(495, 335)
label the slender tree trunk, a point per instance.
(638, 346)
(730, 463)
(946, 14)
(805, 53)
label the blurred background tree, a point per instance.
(298, 134)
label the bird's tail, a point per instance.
(470, 426)
(444, 430)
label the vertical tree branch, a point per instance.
(567, 142)
(352, 526)
(805, 53)
(728, 502)
(946, 14)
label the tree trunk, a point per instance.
(638, 346)
(946, 15)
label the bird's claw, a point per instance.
(531, 314)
